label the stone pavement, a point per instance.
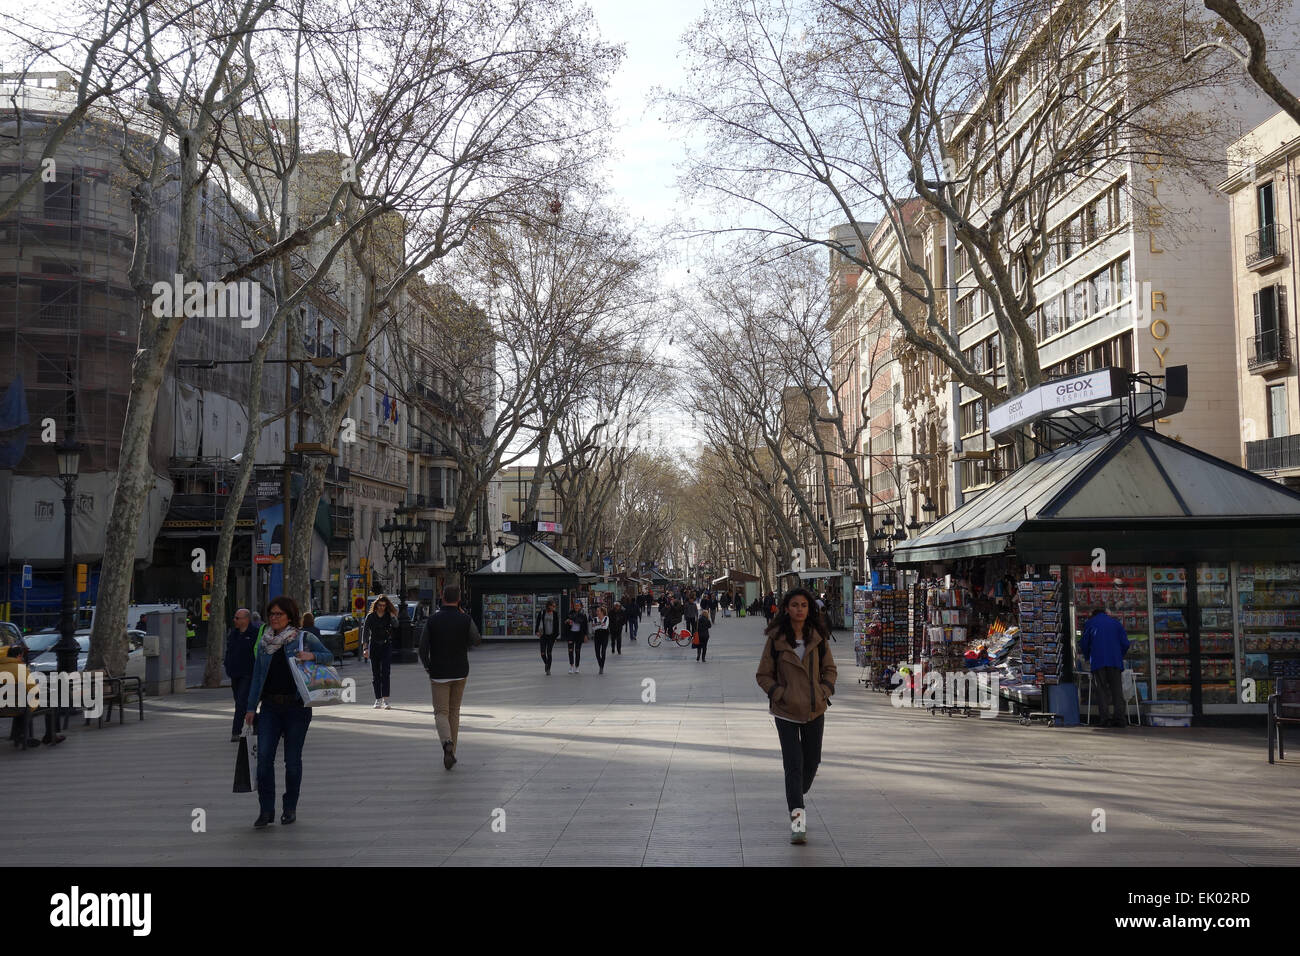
(582, 771)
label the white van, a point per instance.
(86, 615)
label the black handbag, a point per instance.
(243, 773)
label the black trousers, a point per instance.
(548, 650)
(801, 752)
(1110, 695)
(616, 640)
(702, 650)
(575, 653)
(381, 669)
(601, 640)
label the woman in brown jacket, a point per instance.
(798, 675)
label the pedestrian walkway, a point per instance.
(661, 760)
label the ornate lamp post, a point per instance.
(66, 650)
(401, 541)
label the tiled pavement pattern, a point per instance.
(587, 773)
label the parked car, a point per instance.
(9, 634)
(46, 659)
(341, 633)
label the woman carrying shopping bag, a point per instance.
(798, 675)
(377, 647)
(284, 713)
(702, 636)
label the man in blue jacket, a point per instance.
(239, 664)
(1104, 644)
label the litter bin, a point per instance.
(1063, 700)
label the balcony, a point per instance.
(1266, 247)
(1274, 454)
(1269, 351)
(337, 475)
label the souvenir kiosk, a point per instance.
(512, 588)
(1197, 557)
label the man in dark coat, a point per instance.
(239, 665)
(444, 652)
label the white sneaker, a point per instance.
(570, 668)
(387, 705)
(378, 703)
(798, 826)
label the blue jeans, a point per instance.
(240, 687)
(291, 722)
(632, 623)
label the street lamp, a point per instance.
(68, 453)
(401, 542)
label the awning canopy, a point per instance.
(531, 564)
(811, 574)
(734, 575)
(1137, 496)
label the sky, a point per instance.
(642, 176)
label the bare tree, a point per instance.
(1250, 29)
(829, 111)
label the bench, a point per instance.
(1283, 709)
(118, 691)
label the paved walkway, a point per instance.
(582, 771)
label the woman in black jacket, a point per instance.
(702, 635)
(377, 646)
(617, 618)
(547, 629)
(600, 625)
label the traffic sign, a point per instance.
(207, 606)
(358, 600)
(27, 575)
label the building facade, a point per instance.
(1265, 215)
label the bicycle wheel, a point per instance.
(683, 638)
(654, 639)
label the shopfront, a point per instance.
(1199, 559)
(514, 587)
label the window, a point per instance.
(1270, 307)
(1277, 418)
(1264, 204)
(63, 200)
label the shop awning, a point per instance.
(1138, 496)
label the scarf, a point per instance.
(273, 642)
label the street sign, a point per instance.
(27, 575)
(207, 606)
(83, 575)
(358, 600)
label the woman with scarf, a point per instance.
(283, 712)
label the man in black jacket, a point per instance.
(547, 629)
(444, 652)
(575, 632)
(239, 664)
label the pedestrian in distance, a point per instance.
(283, 711)
(600, 628)
(690, 612)
(444, 652)
(309, 623)
(633, 624)
(1104, 644)
(377, 633)
(238, 663)
(617, 620)
(547, 629)
(703, 625)
(797, 672)
(665, 610)
(576, 632)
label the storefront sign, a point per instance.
(1050, 397)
